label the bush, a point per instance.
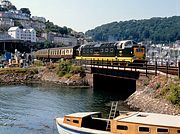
(76, 69)
(174, 94)
(67, 68)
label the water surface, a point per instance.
(31, 109)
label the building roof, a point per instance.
(150, 119)
(13, 28)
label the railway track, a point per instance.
(115, 64)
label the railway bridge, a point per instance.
(120, 78)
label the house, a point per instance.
(28, 34)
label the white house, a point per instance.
(22, 34)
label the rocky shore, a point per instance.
(147, 97)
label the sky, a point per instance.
(83, 15)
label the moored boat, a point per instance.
(125, 123)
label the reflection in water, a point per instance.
(32, 109)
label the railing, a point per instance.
(115, 64)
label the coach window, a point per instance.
(67, 51)
(102, 50)
(70, 51)
(87, 50)
(106, 50)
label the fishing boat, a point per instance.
(126, 122)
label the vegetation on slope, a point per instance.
(171, 92)
(18, 70)
(157, 30)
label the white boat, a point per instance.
(124, 123)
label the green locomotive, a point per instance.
(122, 51)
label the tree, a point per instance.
(18, 24)
(26, 11)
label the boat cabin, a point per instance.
(92, 120)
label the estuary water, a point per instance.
(31, 109)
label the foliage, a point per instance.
(18, 24)
(76, 69)
(47, 44)
(67, 69)
(50, 27)
(172, 93)
(26, 11)
(157, 30)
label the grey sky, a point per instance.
(83, 15)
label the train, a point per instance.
(126, 51)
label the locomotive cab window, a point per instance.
(139, 50)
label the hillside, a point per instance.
(157, 30)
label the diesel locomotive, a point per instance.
(123, 51)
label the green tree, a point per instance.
(26, 11)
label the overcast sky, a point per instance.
(83, 15)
